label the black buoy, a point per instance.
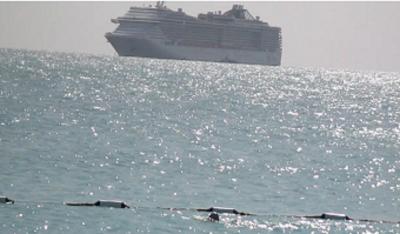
(6, 200)
(213, 217)
(329, 216)
(223, 210)
(100, 203)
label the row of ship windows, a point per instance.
(199, 31)
(235, 40)
(209, 37)
(190, 23)
(219, 34)
(227, 43)
(163, 16)
(208, 44)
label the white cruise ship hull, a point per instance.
(127, 45)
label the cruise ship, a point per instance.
(234, 36)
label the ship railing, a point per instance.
(190, 22)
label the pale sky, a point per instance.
(348, 35)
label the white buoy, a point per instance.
(334, 216)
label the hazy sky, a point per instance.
(350, 35)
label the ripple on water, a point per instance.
(276, 140)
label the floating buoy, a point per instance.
(214, 212)
(223, 210)
(111, 203)
(213, 217)
(6, 200)
(332, 216)
(335, 216)
(101, 203)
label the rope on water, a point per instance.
(214, 211)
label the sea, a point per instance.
(280, 143)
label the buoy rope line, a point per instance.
(213, 211)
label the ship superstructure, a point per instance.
(234, 36)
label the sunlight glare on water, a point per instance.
(273, 141)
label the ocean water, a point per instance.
(274, 141)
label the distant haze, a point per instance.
(348, 35)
